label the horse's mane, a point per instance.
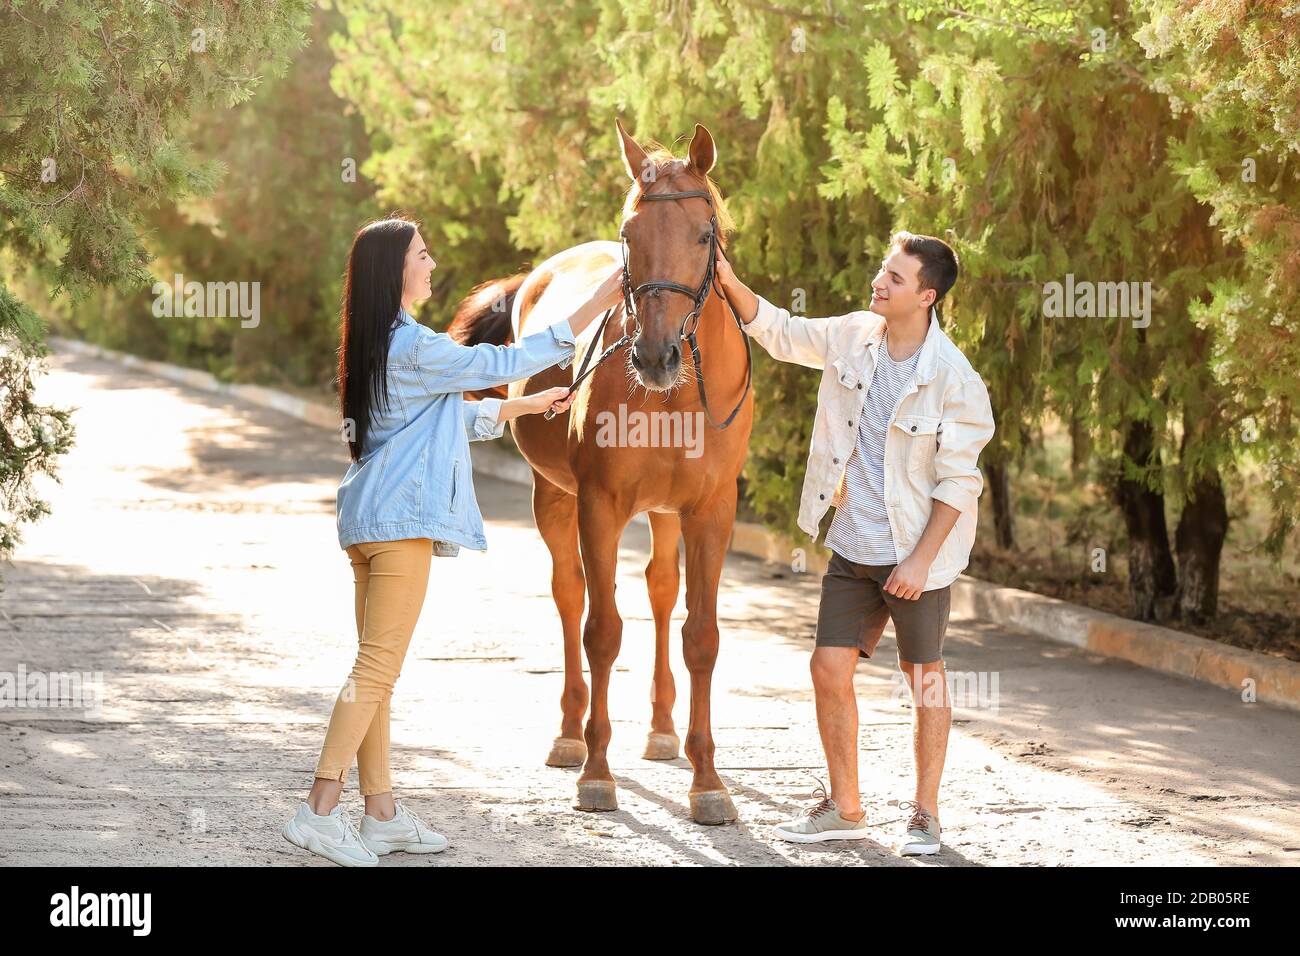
(666, 165)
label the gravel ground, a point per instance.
(191, 558)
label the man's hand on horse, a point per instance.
(724, 272)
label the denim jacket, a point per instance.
(414, 479)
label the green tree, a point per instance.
(1238, 80)
(92, 93)
(1043, 140)
(291, 198)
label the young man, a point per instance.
(901, 419)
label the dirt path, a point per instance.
(191, 558)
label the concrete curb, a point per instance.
(1275, 680)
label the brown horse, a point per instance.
(594, 470)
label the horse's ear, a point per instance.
(634, 158)
(703, 153)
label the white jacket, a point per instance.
(943, 421)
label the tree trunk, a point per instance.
(1004, 521)
(1151, 571)
(1080, 448)
(1202, 528)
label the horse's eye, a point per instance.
(705, 239)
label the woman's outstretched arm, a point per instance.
(447, 366)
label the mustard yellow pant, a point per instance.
(390, 581)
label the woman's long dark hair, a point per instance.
(372, 297)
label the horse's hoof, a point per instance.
(596, 795)
(712, 807)
(567, 752)
(661, 746)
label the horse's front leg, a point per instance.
(556, 513)
(663, 580)
(600, 525)
(707, 532)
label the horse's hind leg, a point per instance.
(663, 580)
(556, 513)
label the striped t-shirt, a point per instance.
(860, 529)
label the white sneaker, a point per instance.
(921, 836)
(332, 836)
(405, 832)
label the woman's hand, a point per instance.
(609, 293)
(558, 398)
(606, 296)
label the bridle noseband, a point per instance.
(698, 297)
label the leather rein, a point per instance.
(698, 297)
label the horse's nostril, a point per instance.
(636, 360)
(674, 354)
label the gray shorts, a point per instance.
(855, 608)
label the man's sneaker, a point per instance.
(821, 822)
(405, 832)
(922, 837)
(332, 836)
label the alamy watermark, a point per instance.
(209, 300)
(75, 908)
(656, 429)
(1098, 300)
(71, 690)
(973, 690)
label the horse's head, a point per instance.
(670, 250)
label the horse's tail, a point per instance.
(484, 316)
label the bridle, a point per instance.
(698, 297)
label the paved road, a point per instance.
(191, 559)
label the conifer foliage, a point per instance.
(93, 94)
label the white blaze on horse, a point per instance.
(675, 346)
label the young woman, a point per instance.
(407, 496)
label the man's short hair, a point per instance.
(938, 261)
